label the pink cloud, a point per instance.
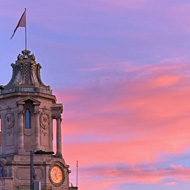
(166, 80)
(132, 122)
(110, 177)
(151, 100)
(137, 175)
(145, 150)
(171, 183)
(176, 64)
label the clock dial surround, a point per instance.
(56, 175)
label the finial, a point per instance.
(26, 55)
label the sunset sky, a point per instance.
(121, 68)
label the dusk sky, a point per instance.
(121, 68)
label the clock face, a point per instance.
(56, 174)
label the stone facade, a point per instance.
(27, 111)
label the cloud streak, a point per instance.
(130, 122)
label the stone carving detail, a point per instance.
(44, 123)
(26, 54)
(36, 109)
(27, 76)
(9, 120)
(20, 109)
(44, 120)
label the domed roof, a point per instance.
(26, 76)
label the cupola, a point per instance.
(26, 76)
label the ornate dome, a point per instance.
(26, 76)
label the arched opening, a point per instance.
(27, 119)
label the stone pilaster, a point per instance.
(37, 127)
(21, 127)
(59, 137)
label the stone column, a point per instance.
(21, 127)
(59, 137)
(37, 127)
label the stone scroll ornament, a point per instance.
(44, 120)
(9, 120)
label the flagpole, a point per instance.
(25, 34)
(77, 165)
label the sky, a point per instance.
(121, 68)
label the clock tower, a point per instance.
(27, 111)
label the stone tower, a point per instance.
(27, 111)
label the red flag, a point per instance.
(21, 23)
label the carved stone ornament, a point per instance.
(9, 120)
(44, 120)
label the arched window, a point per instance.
(27, 119)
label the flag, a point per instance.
(21, 23)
